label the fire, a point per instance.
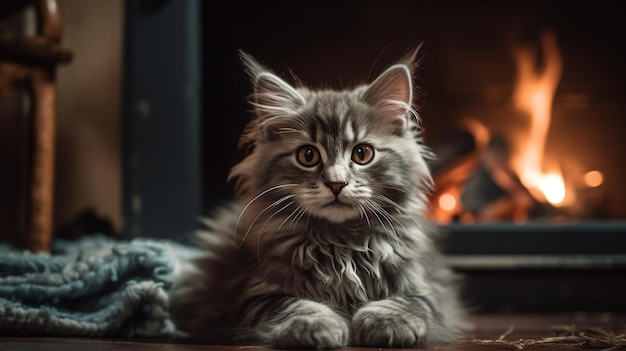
(534, 95)
(593, 179)
(553, 188)
(447, 202)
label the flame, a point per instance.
(553, 188)
(534, 95)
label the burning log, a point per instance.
(478, 184)
(457, 146)
(457, 157)
(495, 192)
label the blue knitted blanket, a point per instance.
(97, 286)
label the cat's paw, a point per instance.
(311, 332)
(382, 324)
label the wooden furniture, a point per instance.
(30, 62)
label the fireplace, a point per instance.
(522, 101)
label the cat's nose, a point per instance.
(336, 186)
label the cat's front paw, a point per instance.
(311, 332)
(384, 324)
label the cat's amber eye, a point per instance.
(362, 154)
(308, 156)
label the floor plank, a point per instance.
(488, 329)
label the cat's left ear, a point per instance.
(392, 94)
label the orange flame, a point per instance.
(534, 95)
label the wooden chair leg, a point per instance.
(33, 60)
(42, 190)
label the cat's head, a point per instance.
(335, 155)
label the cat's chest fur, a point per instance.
(343, 266)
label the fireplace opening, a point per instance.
(522, 101)
(483, 174)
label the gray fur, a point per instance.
(291, 264)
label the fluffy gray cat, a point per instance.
(326, 245)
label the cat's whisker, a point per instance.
(287, 218)
(298, 217)
(370, 206)
(264, 224)
(274, 214)
(307, 219)
(245, 208)
(296, 210)
(401, 209)
(243, 211)
(394, 188)
(389, 202)
(389, 218)
(364, 214)
(274, 204)
(295, 217)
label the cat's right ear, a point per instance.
(273, 98)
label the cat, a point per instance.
(326, 245)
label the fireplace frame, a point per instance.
(579, 266)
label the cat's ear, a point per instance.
(391, 94)
(273, 98)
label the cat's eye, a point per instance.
(308, 156)
(362, 154)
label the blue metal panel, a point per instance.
(162, 118)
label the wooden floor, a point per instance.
(571, 331)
